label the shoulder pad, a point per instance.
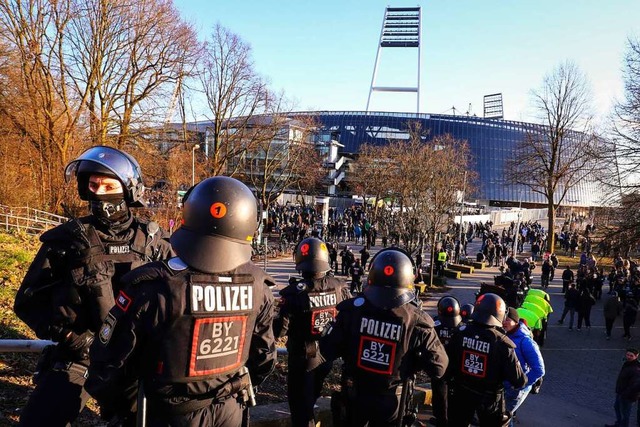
(176, 265)
(505, 339)
(62, 232)
(423, 320)
(270, 281)
(289, 290)
(349, 304)
(437, 323)
(150, 271)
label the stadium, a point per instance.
(491, 141)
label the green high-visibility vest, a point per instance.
(537, 310)
(533, 320)
(539, 293)
(540, 302)
(442, 256)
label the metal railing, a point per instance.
(36, 346)
(27, 219)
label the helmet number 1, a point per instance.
(218, 210)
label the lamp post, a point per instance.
(514, 248)
(193, 164)
(464, 189)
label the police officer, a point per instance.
(190, 326)
(446, 323)
(306, 307)
(482, 358)
(383, 338)
(73, 280)
(466, 310)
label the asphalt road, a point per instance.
(581, 367)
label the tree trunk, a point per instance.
(551, 227)
(431, 261)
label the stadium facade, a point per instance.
(491, 142)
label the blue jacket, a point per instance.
(528, 353)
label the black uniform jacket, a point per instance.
(381, 348)
(305, 309)
(72, 282)
(482, 358)
(184, 332)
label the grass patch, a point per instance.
(17, 250)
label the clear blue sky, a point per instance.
(322, 53)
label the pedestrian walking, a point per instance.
(629, 314)
(482, 359)
(529, 357)
(612, 309)
(585, 302)
(447, 322)
(571, 299)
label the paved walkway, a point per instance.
(578, 390)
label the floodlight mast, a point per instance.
(400, 29)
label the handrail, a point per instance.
(36, 346)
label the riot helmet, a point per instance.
(449, 311)
(312, 256)
(390, 280)
(466, 310)
(220, 216)
(108, 161)
(489, 310)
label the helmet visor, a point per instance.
(124, 167)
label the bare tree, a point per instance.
(556, 156)
(232, 89)
(45, 110)
(129, 66)
(624, 152)
(283, 158)
(421, 178)
(369, 175)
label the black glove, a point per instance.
(77, 346)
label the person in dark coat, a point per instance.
(585, 302)
(571, 299)
(627, 388)
(75, 278)
(612, 308)
(629, 314)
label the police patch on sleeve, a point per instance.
(107, 329)
(123, 301)
(176, 264)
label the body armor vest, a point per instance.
(383, 338)
(312, 306)
(444, 333)
(210, 320)
(93, 263)
(480, 367)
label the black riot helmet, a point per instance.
(312, 256)
(390, 281)
(466, 310)
(489, 310)
(220, 215)
(108, 161)
(449, 312)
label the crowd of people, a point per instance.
(188, 324)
